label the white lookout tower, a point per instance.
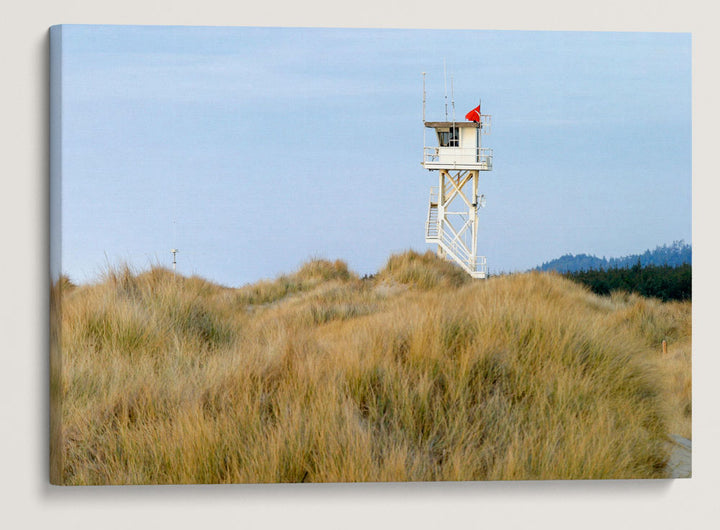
(452, 220)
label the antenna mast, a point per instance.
(423, 74)
(452, 96)
(424, 131)
(445, 75)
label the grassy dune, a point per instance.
(418, 373)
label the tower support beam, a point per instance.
(453, 219)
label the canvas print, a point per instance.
(357, 255)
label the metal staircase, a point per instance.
(431, 225)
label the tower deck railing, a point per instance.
(481, 157)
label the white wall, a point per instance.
(468, 138)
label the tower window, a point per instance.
(448, 137)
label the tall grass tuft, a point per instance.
(308, 276)
(423, 270)
(318, 376)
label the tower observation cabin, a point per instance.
(458, 157)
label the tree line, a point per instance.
(657, 281)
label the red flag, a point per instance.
(474, 114)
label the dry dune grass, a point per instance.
(416, 374)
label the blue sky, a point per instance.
(252, 150)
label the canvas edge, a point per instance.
(55, 268)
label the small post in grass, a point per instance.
(664, 344)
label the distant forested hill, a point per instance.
(674, 255)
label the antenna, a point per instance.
(423, 74)
(456, 142)
(424, 128)
(445, 72)
(452, 95)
